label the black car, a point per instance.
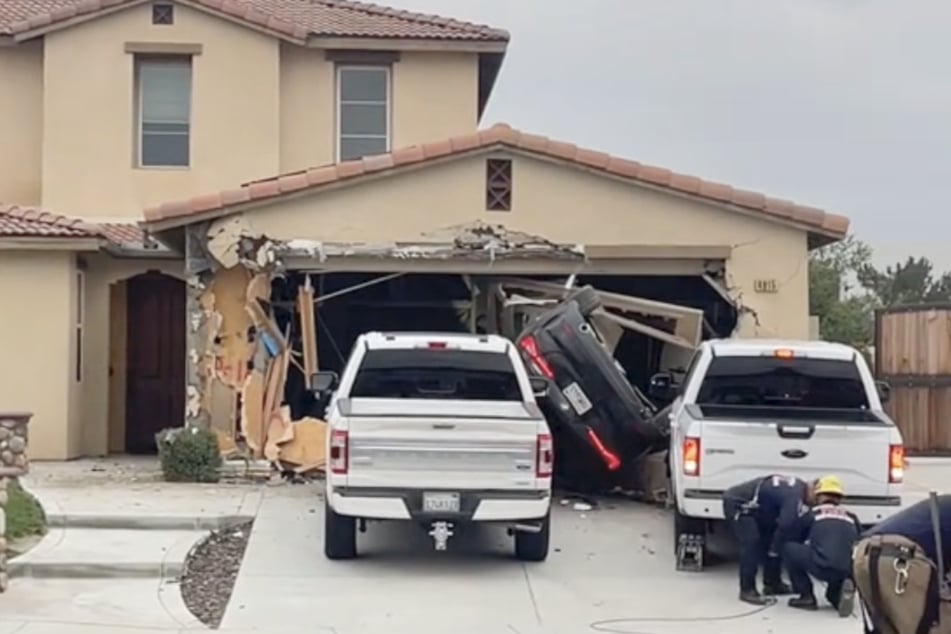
(591, 403)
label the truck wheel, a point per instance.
(534, 546)
(587, 299)
(340, 535)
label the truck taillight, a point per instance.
(896, 464)
(690, 453)
(339, 452)
(530, 347)
(544, 456)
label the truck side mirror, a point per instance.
(323, 382)
(884, 391)
(539, 385)
(662, 387)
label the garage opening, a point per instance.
(349, 304)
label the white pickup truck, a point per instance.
(752, 408)
(439, 429)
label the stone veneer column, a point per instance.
(13, 463)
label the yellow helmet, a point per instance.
(829, 485)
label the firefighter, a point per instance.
(899, 574)
(821, 548)
(761, 512)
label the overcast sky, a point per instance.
(840, 104)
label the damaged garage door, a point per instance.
(686, 330)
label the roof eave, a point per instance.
(50, 243)
(364, 43)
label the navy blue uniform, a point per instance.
(763, 512)
(914, 523)
(829, 532)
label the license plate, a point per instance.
(578, 399)
(440, 502)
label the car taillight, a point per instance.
(612, 462)
(691, 456)
(530, 346)
(339, 454)
(544, 456)
(896, 464)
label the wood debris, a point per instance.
(245, 366)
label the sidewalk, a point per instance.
(113, 517)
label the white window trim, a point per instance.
(79, 327)
(338, 132)
(139, 106)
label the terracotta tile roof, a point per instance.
(26, 222)
(295, 19)
(501, 135)
(31, 222)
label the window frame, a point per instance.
(145, 59)
(338, 106)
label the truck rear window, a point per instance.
(796, 383)
(437, 374)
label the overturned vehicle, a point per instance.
(604, 425)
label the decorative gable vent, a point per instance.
(498, 185)
(163, 13)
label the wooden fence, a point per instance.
(913, 354)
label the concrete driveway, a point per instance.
(611, 570)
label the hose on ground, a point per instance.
(615, 626)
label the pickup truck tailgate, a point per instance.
(733, 452)
(412, 443)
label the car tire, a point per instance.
(587, 300)
(340, 534)
(534, 546)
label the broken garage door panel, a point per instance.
(637, 326)
(308, 327)
(688, 327)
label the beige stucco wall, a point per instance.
(566, 205)
(89, 124)
(21, 121)
(37, 372)
(308, 102)
(259, 107)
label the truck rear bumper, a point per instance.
(475, 506)
(709, 505)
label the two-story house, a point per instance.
(315, 123)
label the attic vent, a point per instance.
(498, 185)
(163, 13)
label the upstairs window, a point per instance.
(363, 111)
(164, 92)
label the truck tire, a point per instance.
(534, 546)
(587, 299)
(340, 535)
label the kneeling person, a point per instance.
(830, 533)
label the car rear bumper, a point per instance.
(869, 509)
(406, 504)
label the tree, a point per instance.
(845, 288)
(911, 282)
(844, 309)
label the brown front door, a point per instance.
(155, 383)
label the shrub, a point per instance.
(25, 516)
(189, 454)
